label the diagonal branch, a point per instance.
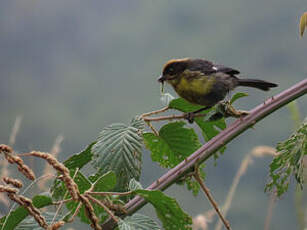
(209, 148)
(210, 198)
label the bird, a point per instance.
(204, 83)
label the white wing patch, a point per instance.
(215, 68)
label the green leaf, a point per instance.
(237, 96)
(30, 223)
(183, 105)
(138, 222)
(209, 128)
(104, 183)
(173, 145)
(289, 161)
(167, 209)
(119, 148)
(79, 160)
(20, 213)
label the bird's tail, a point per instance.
(255, 83)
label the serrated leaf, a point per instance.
(138, 222)
(289, 161)
(237, 96)
(119, 148)
(173, 144)
(20, 213)
(168, 210)
(303, 23)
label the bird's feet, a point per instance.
(229, 111)
(189, 117)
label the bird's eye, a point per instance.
(171, 70)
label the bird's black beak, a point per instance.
(161, 79)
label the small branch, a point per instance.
(210, 198)
(171, 117)
(110, 193)
(152, 128)
(71, 219)
(111, 214)
(154, 112)
(209, 148)
(62, 201)
(243, 167)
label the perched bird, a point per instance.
(203, 83)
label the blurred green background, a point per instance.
(72, 67)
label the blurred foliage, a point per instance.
(289, 161)
(303, 23)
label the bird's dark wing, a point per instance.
(207, 67)
(225, 69)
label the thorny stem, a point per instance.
(210, 198)
(209, 148)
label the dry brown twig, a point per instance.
(15, 159)
(89, 210)
(100, 203)
(26, 203)
(16, 183)
(258, 151)
(4, 169)
(210, 198)
(64, 201)
(56, 225)
(71, 186)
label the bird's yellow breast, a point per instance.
(194, 89)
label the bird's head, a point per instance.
(172, 70)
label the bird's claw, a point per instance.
(230, 111)
(189, 117)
